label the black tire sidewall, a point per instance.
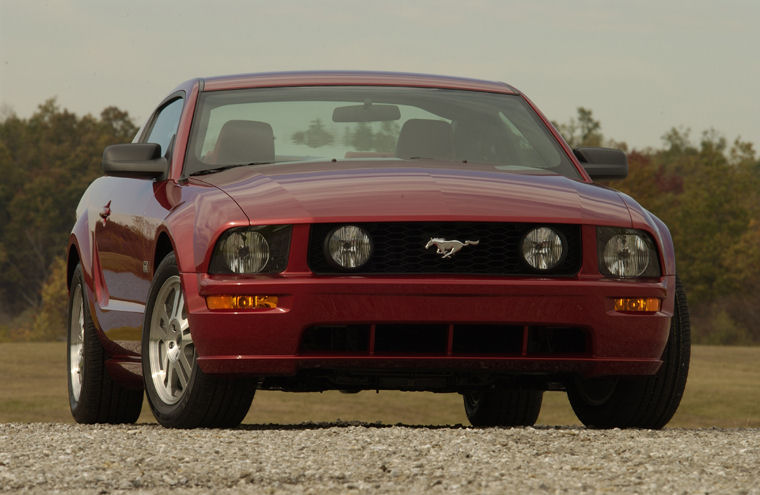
(503, 407)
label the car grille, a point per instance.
(399, 248)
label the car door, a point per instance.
(125, 232)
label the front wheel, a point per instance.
(639, 402)
(179, 393)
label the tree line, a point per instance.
(706, 190)
(379, 137)
(46, 163)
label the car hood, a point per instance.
(395, 191)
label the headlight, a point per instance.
(543, 248)
(348, 246)
(626, 253)
(262, 249)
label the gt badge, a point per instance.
(448, 248)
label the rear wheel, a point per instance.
(503, 407)
(179, 393)
(639, 402)
(93, 396)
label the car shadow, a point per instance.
(352, 424)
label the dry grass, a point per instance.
(723, 391)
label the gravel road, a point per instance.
(358, 458)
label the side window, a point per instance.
(165, 125)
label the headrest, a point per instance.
(245, 141)
(424, 138)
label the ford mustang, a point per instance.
(367, 231)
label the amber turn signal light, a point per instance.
(241, 302)
(637, 304)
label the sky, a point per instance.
(642, 67)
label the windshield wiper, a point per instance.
(225, 167)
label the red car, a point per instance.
(354, 230)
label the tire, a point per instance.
(503, 407)
(179, 393)
(640, 402)
(93, 396)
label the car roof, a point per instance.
(351, 78)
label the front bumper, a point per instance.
(269, 342)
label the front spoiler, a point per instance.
(291, 365)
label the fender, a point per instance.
(82, 245)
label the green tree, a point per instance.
(315, 136)
(583, 130)
(48, 160)
(362, 137)
(384, 140)
(50, 321)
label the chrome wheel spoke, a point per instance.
(171, 373)
(164, 359)
(175, 304)
(164, 321)
(182, 375)
(159, 377)
(187, 339)
(81, 323)
(76, 342)
(185, 366)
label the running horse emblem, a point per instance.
(448, 248)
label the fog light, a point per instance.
(241, 302)
(637, 304)
(543, 248)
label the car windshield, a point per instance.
(381, 123)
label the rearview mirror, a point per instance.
(134, 160)
(603, 163)
(366, 113)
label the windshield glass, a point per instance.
(295, 124)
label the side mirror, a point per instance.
(603, 163)
(134, 160)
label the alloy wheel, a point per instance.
(171, 352)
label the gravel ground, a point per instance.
(358, 458)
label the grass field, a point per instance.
(723, 391)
